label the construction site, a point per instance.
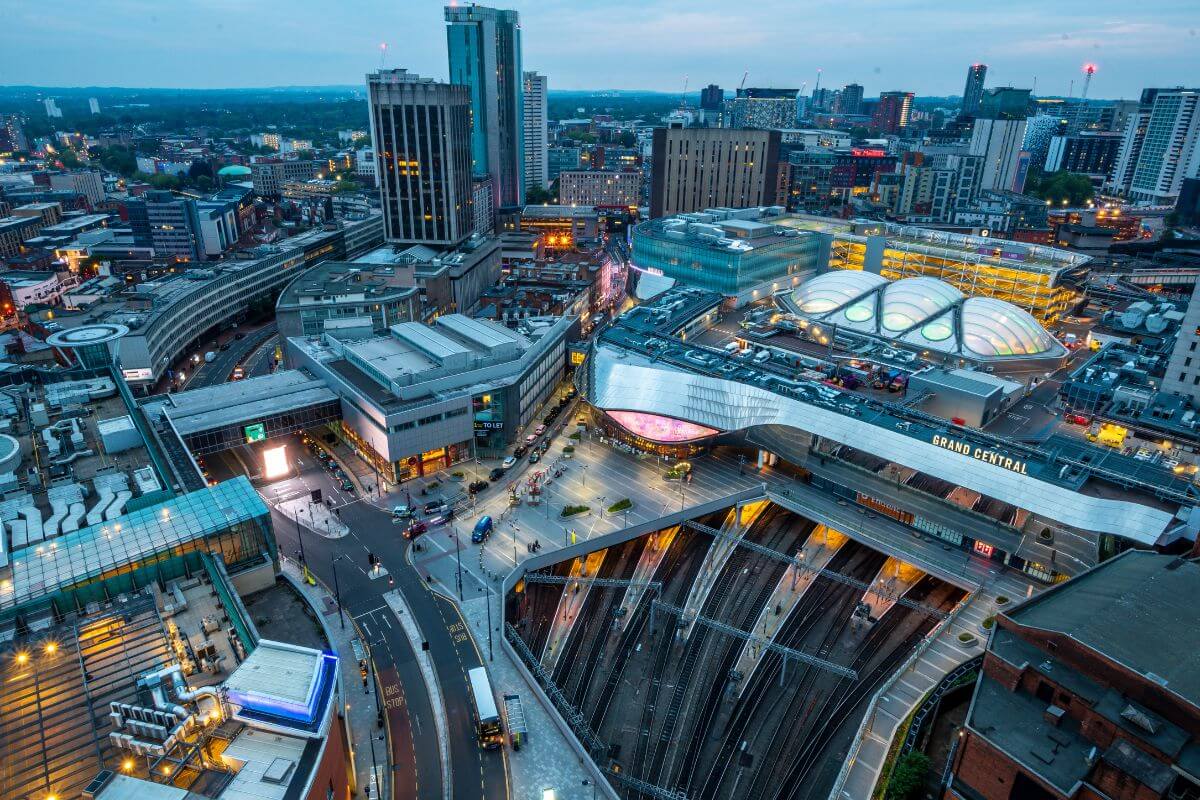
(733, 655)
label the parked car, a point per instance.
(534, 457)
(477, 486)
(539, 430)
(436, 506)
(403, 512)
(483, 529)
(530, 439)
(496, 474)
(519, 450)
(347, 486)
(509, 462)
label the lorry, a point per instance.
(210, 357)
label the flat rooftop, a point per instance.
(1137, 609)
(233, 402)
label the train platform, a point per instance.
(718, 554)
(817, 551)
(652, 555)
(569, 606)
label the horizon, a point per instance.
(913, 46)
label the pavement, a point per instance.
(222, 365)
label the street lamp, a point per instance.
(337, 592)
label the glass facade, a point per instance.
(160, 542)
(706, 265)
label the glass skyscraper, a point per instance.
(484, 48)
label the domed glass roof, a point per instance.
(996, 328)
(923, 312)
(835, 289)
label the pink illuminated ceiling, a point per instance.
(660, 429)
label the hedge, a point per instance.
(620, 505)
(570, 511)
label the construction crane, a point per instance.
(1088, 71)
(683, 94)
(742, 85)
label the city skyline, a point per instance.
(618, 46)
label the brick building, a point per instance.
(1091, 691)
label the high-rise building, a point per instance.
(421, 134)
(166, 222)
(851, 99)
(484, 49)
(536, 138)
(973, 91)
(52, 109)
(711, 97)
(93, 105)
(1090, 152)
(1161, 146)
(998, 136)
(1039, 130)
(699, 168)
(892, 113)
(766, 109)
(1183, 368)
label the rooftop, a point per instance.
(230, 403)
(1137, 609)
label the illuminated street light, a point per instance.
(22, 657)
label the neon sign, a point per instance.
(661, 429)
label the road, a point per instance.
(476, 773)
(220, 368)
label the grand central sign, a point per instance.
(981, 454)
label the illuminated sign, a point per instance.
(485, 425)
(136, 374)
(661, 429)
(981, 454)
(984, 549)
(577, 357)
(255, 433)
(868, 152)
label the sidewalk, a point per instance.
(359, 707)
(315, 516)
(547, 759)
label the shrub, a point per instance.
(966, 638)
(989, 622)
(433, 486)
(620, 505)
(1001, 600)
(570, 511)
(458, 473)
(908, 778)
(568, 449)
(576, 436)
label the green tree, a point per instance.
(536, 194)
(163, 181)
(1072, 187)
(908, 776)
(628, 139)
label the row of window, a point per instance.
(432, 418)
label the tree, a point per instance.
(908, 776)
(537, 194)
(628, 139)
(1072, 187)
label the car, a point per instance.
(520, 450)
(403, 512)
(239, 336)
(530, 439)
(539, 430)
(534, 457)
(508, 462)
(415, 529)
(483, 529)
(436, 506)
(440, 519)
(224, 347)
(477, 486)
(239, 373)
(496, 474)
(347, 486)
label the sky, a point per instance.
(923, 46)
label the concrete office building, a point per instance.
(699, 168)
(1169, 149)
(484, 213)
(166, 222)
(449, 280)
(537, 140)
(421, 398)
(850, 101)
(1183, 369)
(599, 188)
(88, 182)
(893, 111)
(765, 109)
(269, 177)
(342, 295)
(973, 91)
(421, 134)
(998, 136)
(484, 49)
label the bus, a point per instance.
(487, 716)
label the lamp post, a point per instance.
(337, 592)
(488, 587)
(458, 556)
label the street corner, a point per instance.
(317, 517)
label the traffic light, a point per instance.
(372, 560)
(316, 495)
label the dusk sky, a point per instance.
(917, 45)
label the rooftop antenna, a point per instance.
(1088, 71)
(1071, 89)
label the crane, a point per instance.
(683, 94)
(1088, 71)
(742, 85)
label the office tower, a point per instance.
(763, 108)
(1039, 131)
(822, 99)
(891, 115)
(699, 168)
(421, 134)
(1161, 146)
(973, 92)
(998, 137)
(536, 138)
(851, 99)
(1183, 368)
(52, 109)
(93, 105)
(166, 222)
(484, 48)
(711, 97)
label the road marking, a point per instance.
(372, 611)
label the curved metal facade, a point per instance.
(622, 380)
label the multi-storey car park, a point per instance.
(751, 253)
(166, 318)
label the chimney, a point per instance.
(1054, 714)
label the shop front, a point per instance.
(654, 434)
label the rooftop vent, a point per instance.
(1139, 718)
(279, 771)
